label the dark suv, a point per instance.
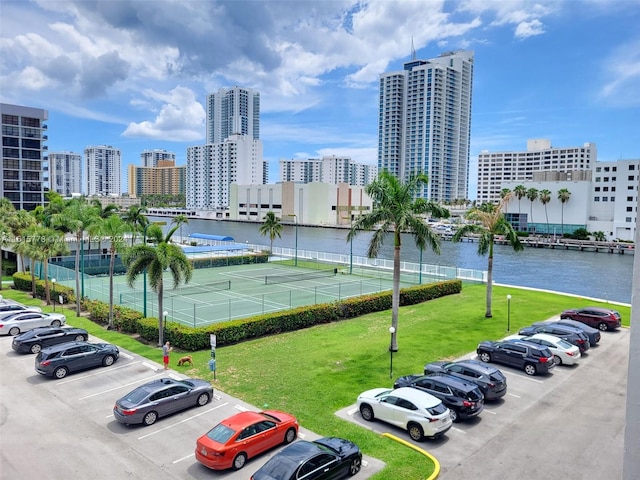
(463, 399)
(572, 335)
(533, 359)
(601, 318)
(491, 380)
(59, 360)
(593, 334)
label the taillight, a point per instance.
(467, 403)
(545, 359)
(571, 354)
(130, 411)
(45, 363)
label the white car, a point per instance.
(9, 307)
(564, 353)
(23, 321)
(420, 413)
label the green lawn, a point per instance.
(315, 372)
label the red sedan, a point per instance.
(245, 435)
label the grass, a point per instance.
(315, 372)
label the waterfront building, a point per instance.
(233, 111)
(329, 169)
(103, 165)
(313, 203)
(123, 201)
(152, 158)
(65, 173)
(498, 168)
(23, 178)
(425, 123)
(163, 179)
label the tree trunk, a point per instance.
(79, 245)
(47, 292)
(489, 281)
(395, 298)
(160, 314)
(1, 272)
(111, 263)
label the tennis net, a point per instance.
(295, 277)
(200, 288)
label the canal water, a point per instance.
(605, 276)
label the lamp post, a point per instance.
(350, 244)
(53, 280)
(391, 331)
(295, 261)
(420, 274)
(508, 313)
(144, 272)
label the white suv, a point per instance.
(422, 414)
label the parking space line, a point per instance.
(241, 408)
(126, 355)
(100, 372)
(513, 395)
(489, 411)
(183, 458)
(182, 421)
(116, 388)
(458, 430)
(352, 411)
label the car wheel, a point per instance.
(203, 399)
(530, 369)
(557, 359)
(56, 323)
(354, 468)
(14, 331)
(485, 357)
(454, 415)
(108, 361)
(150, 418)
(239, 461)
(602, 327)
(35, 348)
(367, 412)
(80, 338)
(60, 372)
(290, 436)
(415, 432)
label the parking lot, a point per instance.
(567, 424)
(66, 429)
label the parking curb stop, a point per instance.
(436, 470)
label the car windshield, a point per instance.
(136, 396)
(381, 394)
(220, 433)
(496, 376)
(439, 409)
(564, 344)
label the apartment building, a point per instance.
(65, 173)
(329, 169)
(152, 158)
(163, 179)
(103, 164)
(233, 111)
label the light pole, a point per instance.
(350, 244)
(508, 313)
(53, 280)
(144, 272)
(420, 274)
(295, 261)
(391, 331)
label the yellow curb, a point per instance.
(436, 470)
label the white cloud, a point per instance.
(622, 72)
(529, 29)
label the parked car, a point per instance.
(593, 334)
(8, 306)
(491, 380)
(564, 353)
(32, 341)
(22, 321)
(422, 414)
(464, 399)
(60, 360)
(570, 334)
(159, 398)
(533, 359)
(245, 435)
(325, 458)
(601, 318)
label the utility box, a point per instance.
(212, 365)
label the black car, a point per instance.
(491, 380)
(533, 359)
(463, 399)
(35, 340)
(593, 334)
(59, 360)
(325, 458)
(572, 335)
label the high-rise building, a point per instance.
(425, 123)
(163, 179)
(233, 111)
(65, 173)
(103, 165)
(151, 158)
(22, 178)
(331, 169)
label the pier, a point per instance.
(621, 248)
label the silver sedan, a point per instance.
(23, 321)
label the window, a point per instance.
(596, 199)
(631, 178)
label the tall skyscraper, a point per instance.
(103, 170)
(22, 178)
(65, 172)
(233, 111)
(150, 158)
(425, 123)
(163, 179)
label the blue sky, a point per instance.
(135, 74)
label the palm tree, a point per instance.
(45, 243)
(155, 260)
(503, 193)
(532, 195)
(520, 192)
(545, 197)
(6, 239)
(489, 221)
(134, 216)
(114, 228)
(563, 196)
(18, 222)
(180, 220)
(100, 212)
(271, 227)
(396, 210)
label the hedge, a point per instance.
(22, 281)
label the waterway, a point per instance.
(605, 276)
